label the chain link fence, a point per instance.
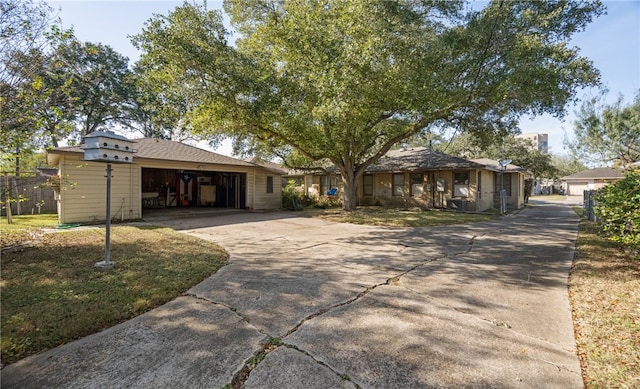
(589, 203)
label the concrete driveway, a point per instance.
(307, 303)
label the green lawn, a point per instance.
(396, 217)
(53, 294)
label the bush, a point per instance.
(324, 202)
(618, 209)
(291, 197)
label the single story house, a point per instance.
(590, 179)
(163, 174)
(429, 179)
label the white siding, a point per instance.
(577, 188)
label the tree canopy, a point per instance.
(344, 81)
(607, 133)
(53, 87)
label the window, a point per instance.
(269, 184)
(479, 185)
(367, 185)
(398, 185)
(461, 184)
(417, 184)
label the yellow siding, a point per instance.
(485, 198)
(264, 200)
(517, 190)
(84, 198)
(86, 202)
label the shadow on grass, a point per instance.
(52, 293)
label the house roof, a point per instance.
(492, 164)
(597, 173)
(268, 165)
(420, 158)
(168, 150)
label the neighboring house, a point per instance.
(163, 174)
(576, 184)
(428, 179)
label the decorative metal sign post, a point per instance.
(106, 146)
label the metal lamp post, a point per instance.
(106, 146)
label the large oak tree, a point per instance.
(343, 81)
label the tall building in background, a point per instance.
(540, 141)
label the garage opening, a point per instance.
(166, 188)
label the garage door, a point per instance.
(576, 188)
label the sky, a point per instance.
(612, 42)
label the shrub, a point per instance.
(291, 197)
(618, 209)
(324, 202)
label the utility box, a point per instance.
(107, 146)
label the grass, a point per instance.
(604, 289)
(24, 227)
(395, 217)
(554, 197)
(53, 294)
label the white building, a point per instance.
(539, 141)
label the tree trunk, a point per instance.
(349, 195)
(7, 202)
(350, 187)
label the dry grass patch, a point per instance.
(604, 288)
(52, 293)
(395, 217)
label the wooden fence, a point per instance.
(31, 189)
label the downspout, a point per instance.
(253, 196)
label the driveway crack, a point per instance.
(232, 309)
(343, 376)
(389, 281)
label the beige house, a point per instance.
(590, 179)
(164, 174)
(427, 179)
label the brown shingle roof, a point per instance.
(598, 173)
(268, 165)
(419, 158)
(168, 150)
(492, 164)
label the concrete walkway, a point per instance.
(307, 303)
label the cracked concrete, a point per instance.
(481, 305)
